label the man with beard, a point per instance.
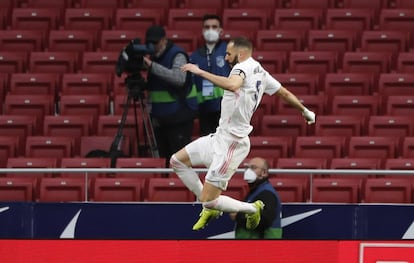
(223, 151)
(173, 100)
(257, 176)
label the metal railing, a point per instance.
(309, 172)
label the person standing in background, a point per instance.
(173, 99)
(210, 57)
(257, 176)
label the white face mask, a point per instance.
(250, 176)
(211, 35)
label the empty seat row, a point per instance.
(302, 83)
(345, 190)
(329, 147)
(321, 62)
(301, 18)
(327, 190)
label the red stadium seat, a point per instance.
(183, 38)
(355, 163)
(47, 3)
(372, 147)
(53, 62)
(229, 34)
(397, 20)
(336, 190)
(301, 19)
(138, 18)
(265, 4)
(400, 105)
(339, 125)
(398, 164)
(316, 103)
(99, 61)
(385, 41)
(49, 146)
(321, 62)
(108, 126)
(115, 40)
(321, 4)
(246, 18)
(118, 190)
(90, 144)
(13, 61)
(88, 18)
(359, 105)
(189, 18)
(299, 83)
(17, 189)
(405, 62)
(400, 4)
(91, 105)
(322, 146)
(62, 190)
(301, 163)
(71, 40)
(167, 4)
(283, 125)
(348, 84)
(279, 40)
(143, 162)
(101, 3)
(31, 18)
(81, 162)
(21, 40)
(74, 126)
(168, 190)
(34, 83)
(85, 83)
(397, 126)
(366, 62)
(237, 188)
(339, 41)
(272, 61)
(355, 19)
(395, 84)
(290, 189)
(8, 148)
(37, 106)
(270, 146)
(19, 126)
(387, 190)
(219, 5)
(408, 147)
(374, 5)
(32, 162)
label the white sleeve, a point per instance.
(271, 84)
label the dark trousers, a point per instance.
(208, 122)
(172, 137)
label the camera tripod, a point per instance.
(135, 85)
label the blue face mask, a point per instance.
(250, 176)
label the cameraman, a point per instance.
(173, 100)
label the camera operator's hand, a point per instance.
(147, 61)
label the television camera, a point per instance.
(131, 62)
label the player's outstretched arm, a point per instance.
(232, 83)
(290, 98)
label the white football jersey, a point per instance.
(237, 108)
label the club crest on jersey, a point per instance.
(220, 61)
(257, 70)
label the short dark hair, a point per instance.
(242, 42)
(212, 16)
